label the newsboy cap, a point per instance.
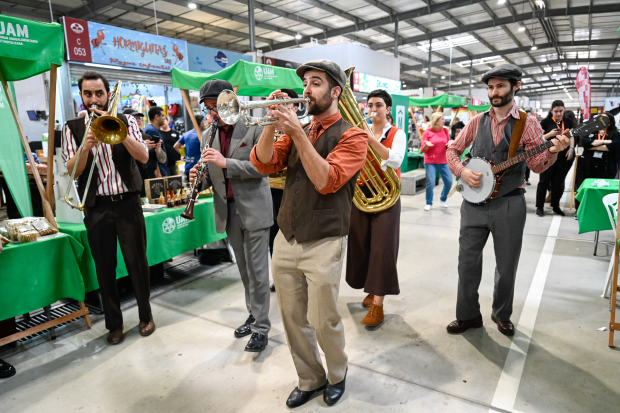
(212, 89)
(327, 66)
(132, 112)
(506, 71)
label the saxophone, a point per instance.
(201, 172)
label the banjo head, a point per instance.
(487, 181)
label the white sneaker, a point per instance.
(427, 208)
(444, 204)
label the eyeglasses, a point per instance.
(206, 110)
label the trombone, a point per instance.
(107, 129)
(231, 109)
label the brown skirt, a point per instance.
(373, 251)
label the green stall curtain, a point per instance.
(28, 48)
(12, 161)
(478, 108)
(253, 79)
(445, 100)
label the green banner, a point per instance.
(27, 48)
(253, 79)
(479, 108)
(445, 100)
(12, 161)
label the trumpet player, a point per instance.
(323, 160)
(243, 208)
(113, 208)
(374, 237)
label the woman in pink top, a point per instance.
(434, 145)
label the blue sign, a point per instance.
(209, 60)
(137, 50)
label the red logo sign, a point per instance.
(356, 81)
(584, 90)
(77, 40)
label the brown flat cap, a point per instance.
(327, 66)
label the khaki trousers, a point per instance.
(307, 278)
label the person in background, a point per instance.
(157, 150)
(6, 370)
(192, 146)
(553, 125)
(426, 123)
(527, 168)
(433, 145)
(600, 155)
(456, 127)
(389, 118)
(374, 237)
(170, 137)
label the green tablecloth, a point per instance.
(167, 235)
(591, 214)
(36, 274)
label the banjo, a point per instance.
(490, 178)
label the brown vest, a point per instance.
(124, 162)
(306, 214)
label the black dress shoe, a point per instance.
(333, 392)
(540, 212)
(558, 211)
(301, 397)
(461, 326)
(245, 330)
(504, 327)
(6, 370)
(257, 343)
(272, 288)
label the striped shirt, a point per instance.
(109, 181)
(532, 136)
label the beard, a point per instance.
(504, 100)
(99, 107)
(320, 105)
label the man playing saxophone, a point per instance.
(323, 160)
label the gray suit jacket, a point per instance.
(250, 188)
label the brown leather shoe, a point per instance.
(116, 336)
(146, 329)
(461, 326)
(368, 300)
(504, 327)
(375, 315)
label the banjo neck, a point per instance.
(527, 154)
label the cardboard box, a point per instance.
(154, 187)
(174, 183)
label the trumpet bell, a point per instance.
(109, 129)
(228, 107)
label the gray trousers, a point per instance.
(504, 218)
(251, 250)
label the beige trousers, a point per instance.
(307, 279)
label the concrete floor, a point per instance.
(409, 364)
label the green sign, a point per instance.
(445, 100)
(28, 48)
(12, 160)
(253, 79)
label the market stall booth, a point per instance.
(39, 266)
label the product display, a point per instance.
(26, 229)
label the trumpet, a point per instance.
(231, 109)
(107, 129)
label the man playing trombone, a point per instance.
(112, 203)
(323, 161)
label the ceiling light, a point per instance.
(501, 1)
(521, 28)
(443, 77)
(192, 5)
(423, 71)
(298, 36)
(534, 47)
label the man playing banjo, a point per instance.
(504, 215)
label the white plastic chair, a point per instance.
(611, 206)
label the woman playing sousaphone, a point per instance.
(373, 237)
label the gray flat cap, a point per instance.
(326, 66)
(212, 89)
(506, 71)
(132, 112)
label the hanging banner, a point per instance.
(366, 83)
(272, 61)
(12, 158)
(92, 42)
(584, 90)
(203, 59)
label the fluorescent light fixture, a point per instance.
(483, 61)
(446, 44)
(540, 3)
(298, 36)
(521, 28)
(501, 1)
(534, 47)
(443, 77)
(423, 71)
(192, 5)
(103, 66)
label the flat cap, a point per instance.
(506, 71)
(327, 66)
(212, 89)
(132, 112)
